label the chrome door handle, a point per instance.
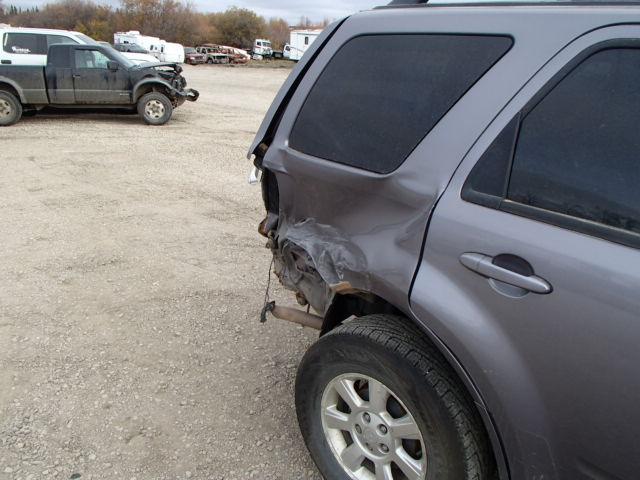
(483, 264)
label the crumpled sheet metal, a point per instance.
(319, 262)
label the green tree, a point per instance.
(239, 27)
(278, 32)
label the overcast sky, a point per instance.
(290, 10)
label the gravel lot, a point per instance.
(131, 278)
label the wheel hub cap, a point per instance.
(370, 431)
(154, 109)
(5, 108)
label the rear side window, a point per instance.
(57, 39)
(25, 43)
(571, 158)
(381, 94)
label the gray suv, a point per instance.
(455, 192)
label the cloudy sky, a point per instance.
(291, 10)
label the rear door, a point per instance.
(531, 268)
(59, 73)
(95, 83)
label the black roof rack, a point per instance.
(502, 3)
(407, 2)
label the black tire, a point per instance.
(394, 352)
(10, 109)
(210, 61)
(155, 108)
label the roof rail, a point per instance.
(408, 2)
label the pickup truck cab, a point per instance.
(29, 46)
(93, 76)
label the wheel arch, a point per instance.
(147, 85)
(8, 85)
(344, 307)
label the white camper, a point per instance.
(171, 52)
(151, 44)
(299, 42)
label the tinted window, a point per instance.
(91, 59)
(25, 43)
(56, 39)
(577, 152)
(59, 57)
(381, 94)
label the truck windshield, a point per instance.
(135, 48)
(118, 57)
(85, 39)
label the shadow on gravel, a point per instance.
(105, 115)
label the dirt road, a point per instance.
(131, 276)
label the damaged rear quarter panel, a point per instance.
(362, 227)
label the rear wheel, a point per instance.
(377, 402)
(155, 108)
(10, 109)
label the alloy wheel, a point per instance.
(372, 434)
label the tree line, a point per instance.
(171, 20)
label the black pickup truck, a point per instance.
(93, 76)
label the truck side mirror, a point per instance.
(113, 66)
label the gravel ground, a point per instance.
(131, 278)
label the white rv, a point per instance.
(299, 42)
(161, 49)
(171, 52)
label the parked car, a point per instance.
(134, 52)
(93, 76)
(223, 54)
(28, 46)
(454, 191)
(192, 57)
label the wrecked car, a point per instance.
(93, 76)
(453, 198)
(192, 57)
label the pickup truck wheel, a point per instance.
(155, 108)
(377, 401)
(10, 109)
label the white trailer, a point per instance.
(171, 52)
(299, 42)
(161, 49)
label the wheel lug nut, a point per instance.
(384, 448)
(366, 417)
(358, 429)
(383, 429)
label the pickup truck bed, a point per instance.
(30, 81)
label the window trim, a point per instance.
(90, 49)
(408, 33)
(568, 222)
(40, 38)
